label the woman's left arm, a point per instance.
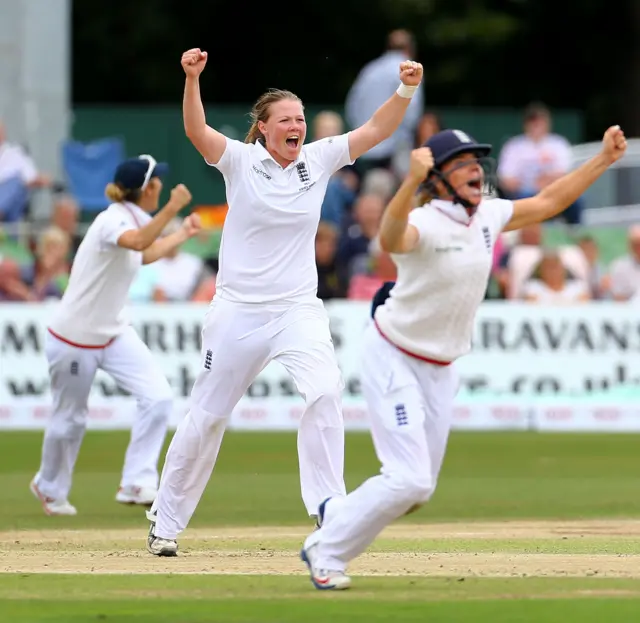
(190, 227)
(386, 120)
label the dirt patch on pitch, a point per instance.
(606, 528)
(287, 563)
(122, 552)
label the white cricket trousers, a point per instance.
(72, 370)
(410, 403)
(238, 341)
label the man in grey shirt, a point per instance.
(376, 82)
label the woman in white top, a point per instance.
(90, 331)
(552, 285)
(266, 306)
(443, 251)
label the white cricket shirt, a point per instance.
(441, 283)
(92, 310)
(267, 251)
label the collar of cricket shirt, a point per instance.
(454, 211)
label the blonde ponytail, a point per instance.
(117, 194)
(423, 197)
(114, 192)
(254, 133)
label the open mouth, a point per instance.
(475, 184)
(293, 141)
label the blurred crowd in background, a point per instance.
(350, 263)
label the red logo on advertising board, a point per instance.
(253, 414)
(558, 414)
(607, 414)
(506, 413)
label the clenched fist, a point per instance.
(614, 144)
(411, 73)
(192, 225)
(180, 197)
(193, 62)
(420, 164)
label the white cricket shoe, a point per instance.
(157, 545)
(51, 506)
(322, 579)
(144, 496)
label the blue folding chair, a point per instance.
(89, 167)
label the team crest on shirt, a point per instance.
(487, 238)
(303, 176)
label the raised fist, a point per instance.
(192, 225)
(614, 144)
(193, 62)
(411, 73)
(421, 163)
(180, 197)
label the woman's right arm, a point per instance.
(209, 142)
(396, 234)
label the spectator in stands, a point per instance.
(343, 185)
(45, 278)
(65, 216)
(205, 291)
(517, 264)
(364, 286)
(428, 125)
(12, 287)
(377, 82)
(329, 283)
(625, 271)
(48, 276)
(380, 182)
(599, 281)
(326, 124)
(552, 284)
(533, 160)
(144, 287)
(353, 250)
(179, 272)
(18, 175)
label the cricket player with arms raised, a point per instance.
(443, 251)
(266, 306)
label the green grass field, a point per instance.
(524, 527)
